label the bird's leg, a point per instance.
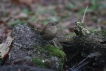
(54, 44)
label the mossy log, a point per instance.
(84, 44)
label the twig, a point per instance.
(84, 14)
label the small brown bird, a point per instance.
(49, 31)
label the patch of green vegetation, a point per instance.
(70, 6)
(50, 51)
(25, 10)
(39, 62)
(53, 51)
(16, 22)
(61, 67)
(40, 49)
(104, 32)
(50, 19)
(5, 14)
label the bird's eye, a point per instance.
(51, 24)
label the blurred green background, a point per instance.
(38, 13)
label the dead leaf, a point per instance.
(5, 46)
(24, 2)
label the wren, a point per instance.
(49, 31)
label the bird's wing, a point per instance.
(43, 32)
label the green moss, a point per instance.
(60, 67)
(50, 51)
(53, 51)
(80, 29)
(39, 62)
(104, 32)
